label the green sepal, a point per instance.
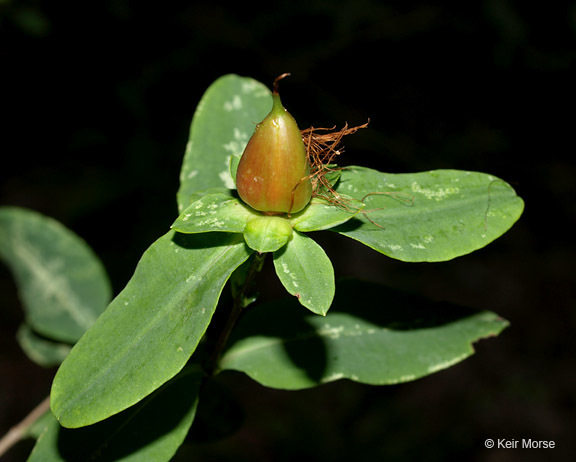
(321, 214)
(219, 211)
(267, 233)
(306, 272)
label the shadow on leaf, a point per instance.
(137, 428)
(371, 334)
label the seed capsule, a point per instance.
(273, 173)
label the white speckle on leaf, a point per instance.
(417, 246)
(333, 376)
(446, 364)
(434, 194)
(253, 87)
(240, 135)
(234, 104)
(192, 174)
(395, 247)
(332, 332)
(213, 222)
(227, 179)
(427, 239)
(234, 147)
(293, 277)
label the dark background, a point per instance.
(96, 102)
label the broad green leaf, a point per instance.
(42, 351)
(428, 216)
(306, 272)
(214, 212)
(321, 214)
(62, 284)
(150, 329)
(222, 125)
(372, 335)
(150, 431)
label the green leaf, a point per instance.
(151, 431)
(42, 351)
(222, 125)
(428, 216)
(215, 212)
(320, 214)
(150, 329)
(372, 335)
(306, 272)
(62, 284)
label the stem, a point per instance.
(211, 365)
(16, 433)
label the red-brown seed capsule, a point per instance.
(273, 173)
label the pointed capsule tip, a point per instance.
(276, 80)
